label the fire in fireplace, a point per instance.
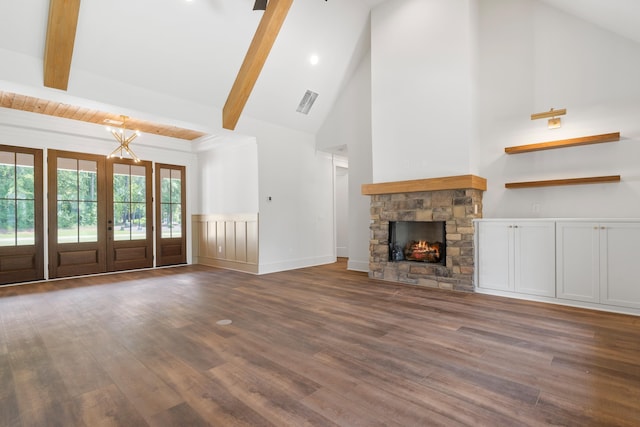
(419, 241)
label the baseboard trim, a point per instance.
(229, 265)
(362, 266)
(557, 301)
(296, 264)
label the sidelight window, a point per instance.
(171, 202)
(17, 199)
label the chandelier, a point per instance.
(120, 135)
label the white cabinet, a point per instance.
(517, 256)
(619, 258)
(578, 255)
(595, 262)
(584, 262)
(495, 255)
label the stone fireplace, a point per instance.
(455, 201)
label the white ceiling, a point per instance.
(619, 16)
(192, 50)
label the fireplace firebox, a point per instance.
(418, 241)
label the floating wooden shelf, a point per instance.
(571, 181)
(572, 142)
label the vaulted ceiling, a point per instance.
(619, 16)
(166, 59)
(175, 61)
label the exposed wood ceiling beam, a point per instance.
(256, 56)
(61, 35)
(58, 109)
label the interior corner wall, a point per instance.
(349, 123)
(533, 57)
(295, 199)
(422, 72)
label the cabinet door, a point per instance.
(619, 254)
(577, 261)
(495, 255)
(535, 258)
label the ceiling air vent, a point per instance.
(307, 102)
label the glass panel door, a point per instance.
(21, 226)
(170, 214)
(77, 200)
(129, 228)
(77, 213)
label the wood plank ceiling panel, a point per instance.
(61, 35)
(256, 56)
(58, 109)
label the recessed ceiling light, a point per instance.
(314, 59)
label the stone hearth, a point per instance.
(435, 199)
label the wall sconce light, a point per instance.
(554, 121)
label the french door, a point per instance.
(171, 246)
(100, 214)
(77, 214)
(129, 215)
(21, 217)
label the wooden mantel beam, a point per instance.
(256, 56)
(459, 182)
(61, 35)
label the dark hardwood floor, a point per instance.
(318, 346)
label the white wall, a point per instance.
(349, 123)
(296, 225)
(527, 57)
(532, 58)
(228, 175)
(342, 210)
(24, 129)
(423, 94)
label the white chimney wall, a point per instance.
(423, 55)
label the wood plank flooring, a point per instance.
(319, 346)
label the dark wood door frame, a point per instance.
(22, 263)
(170, 251)
(68, 259)
(129, 254)
(78, 258)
